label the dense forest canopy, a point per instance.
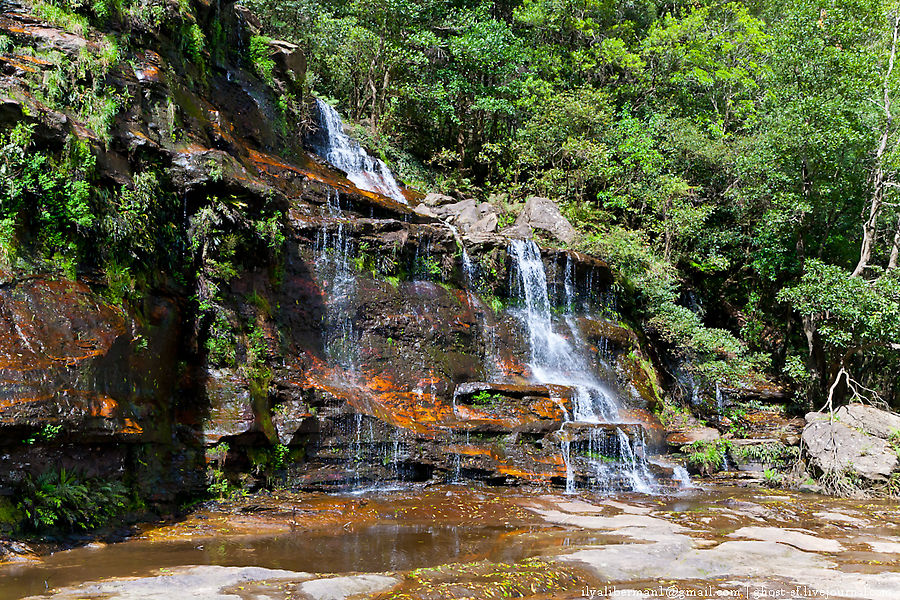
(741, 153)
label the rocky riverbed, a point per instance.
(474, 542)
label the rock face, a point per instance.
(326, 335)
(543, 214)
(689, 436)
(833, 446)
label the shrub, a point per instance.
(706, 457)
(63, 501)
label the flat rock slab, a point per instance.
(689, 436)
(798, 539)
(185, 583)
(339, 588)
(839, 517)
(885, 547)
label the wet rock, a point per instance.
(803, 540)
(230, 410)
(689, 436)
(543, 214)
(465, 391)
(873, 421)
(185, 583)
(835, 447)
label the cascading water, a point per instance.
(366, 172)
(555, 358)
(334, 252)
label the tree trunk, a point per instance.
(895, 247)
(878, 176)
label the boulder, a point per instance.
(425, 211)
(468, 215)
(833, 446)
(542, 213)
(438, 200)
(873, 421)
(289, 59)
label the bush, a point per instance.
(63, 501)
(706, 457)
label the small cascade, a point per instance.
(681, 475)
(373, 457)
(557, 356)
(333, 264)
(720, 400)
(345, 153)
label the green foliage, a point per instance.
(44, 196)
(47, 433)
(430, 267)
(772, 477)
(707, 457)
(220, 345)
(853, 312)
(774, 453)
(63, 501)
(486, 398)
(715, 355)
(261, 58)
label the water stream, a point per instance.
(345, 153)
(557, 356)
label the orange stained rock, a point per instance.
(130, 427)
(34, 59)
(522, 473)
(645, 418)
(548, 409)
(103, 406)
(472, 451)
(192, 148)
(18, 65)
(33, 331)
(9, 402)
(316, 172)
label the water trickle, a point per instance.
(345, 153)
(557, 356)
(333, 264)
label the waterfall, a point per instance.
(555, 358)
(366, 172)
(333, 265)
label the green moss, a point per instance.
(11, 515)
(261, 58)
